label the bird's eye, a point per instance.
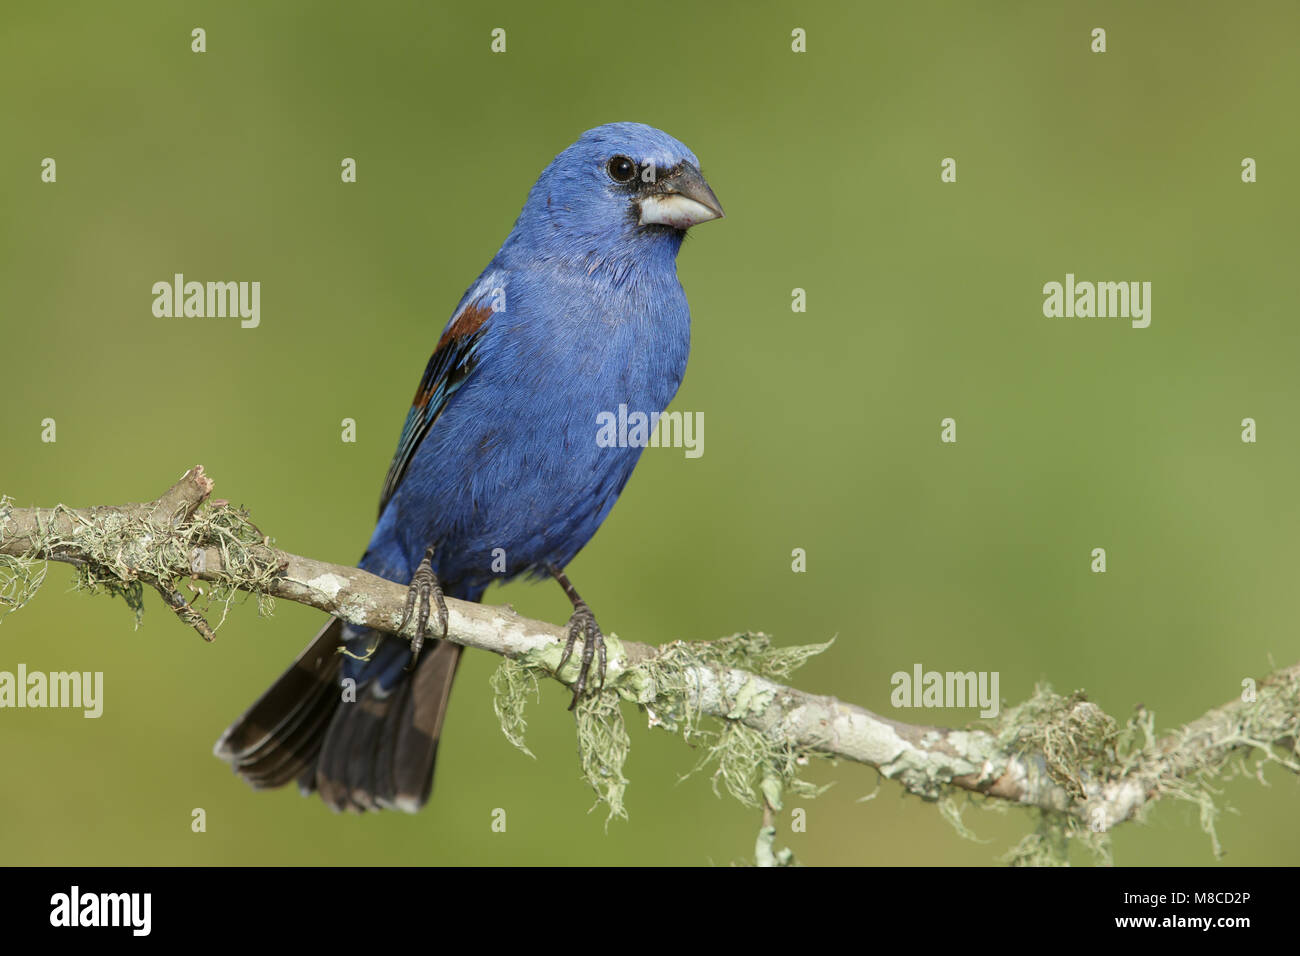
(621, 169)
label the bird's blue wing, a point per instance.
(452, 362)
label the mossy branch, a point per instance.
(1061, 755)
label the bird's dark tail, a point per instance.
(376, 752)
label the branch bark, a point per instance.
(924, 760)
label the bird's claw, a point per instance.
(583, 623)
(425, 588)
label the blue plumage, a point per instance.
(579, 311)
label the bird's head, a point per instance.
(623, 189)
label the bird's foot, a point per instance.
(425, 588)
(583, 624)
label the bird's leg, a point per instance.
(425, 586)
(583, 622)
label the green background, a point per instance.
(822, 429)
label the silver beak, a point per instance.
(681, 200)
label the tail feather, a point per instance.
(297, 750)
(421, 726)
(262, 744)
(382, 782)
(330, 781)
(376, 752)
(361, 760)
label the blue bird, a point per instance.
(498, 471)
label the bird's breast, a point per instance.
(603, 346)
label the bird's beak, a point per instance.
(681, 200)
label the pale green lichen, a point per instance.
(603, 742)
(1079, 742)
(766, 853)
(664, 686)
(1085, 751)
(20, 578)
(512, 685)
(952, 806)
(603, 746)
(926, 770)
(1048, 845)
(741, 756)
(122, 551)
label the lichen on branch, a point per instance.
(1081, 770)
